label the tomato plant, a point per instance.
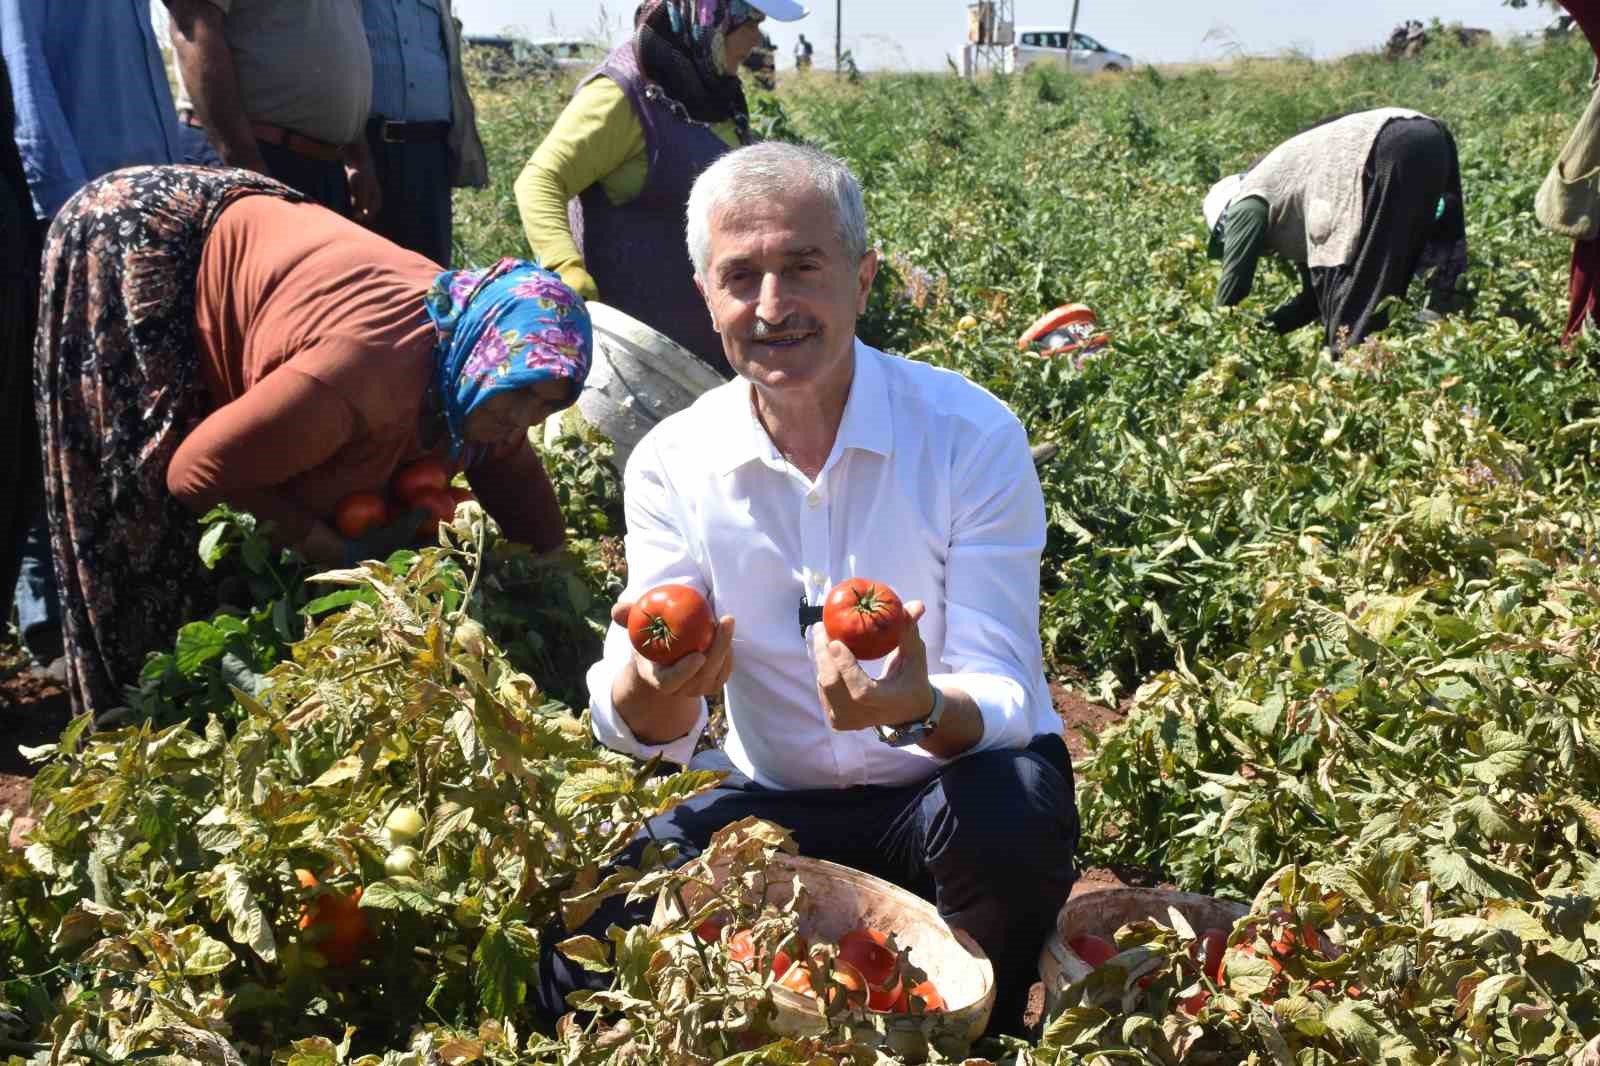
(669, 622)
(359, 513)
(865, 616)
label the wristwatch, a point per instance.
(907, 733)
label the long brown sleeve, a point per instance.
(516, 490)
(245, 452)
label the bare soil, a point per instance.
(33, 711)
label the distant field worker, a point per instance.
(208, 336)
(1360, 204)
(1569, 200)
(603, 197)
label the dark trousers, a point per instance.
(322, 180)
(415, 179)
(196, 147)
(1412, 167)
(990, 840)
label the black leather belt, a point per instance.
(391, 132)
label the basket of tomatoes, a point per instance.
(1085, 934)
(879, 947)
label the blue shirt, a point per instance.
(90, 89)
(410, 70)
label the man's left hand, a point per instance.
(854, 700)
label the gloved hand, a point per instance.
(579, 281)
(385, 541)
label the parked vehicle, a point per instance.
(572, 52)
(1047, 44)
(504, 56)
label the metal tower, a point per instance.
(991, 29)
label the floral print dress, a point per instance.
(117, 387)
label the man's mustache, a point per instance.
(795, 323)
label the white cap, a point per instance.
(782, 10)
(1218, 199)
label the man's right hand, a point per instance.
(660, 703)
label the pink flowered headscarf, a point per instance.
(508, 327)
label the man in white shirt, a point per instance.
(942, 768)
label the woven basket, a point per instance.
(840, 899)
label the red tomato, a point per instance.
(710, 929)
(1208, 950)
(418, 477)
(1094, 950)
(865, 616)
(360, 513)
(439, 504)
(742, 947)
(669, 622)
(783, 960)
(932, 1001)
(868, 951)
(1194, 1004)
(334, 923)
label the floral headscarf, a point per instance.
(681, 47)
(508, 327)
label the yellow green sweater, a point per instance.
(596, 138)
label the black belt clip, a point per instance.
(809, 615)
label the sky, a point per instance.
(919, 34)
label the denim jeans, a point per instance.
(38, 607)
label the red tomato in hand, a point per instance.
(865, 616)
(1094, 950)
(360, 513)
(669, 622)
(868, 951)
(439, 504)
(418, 477)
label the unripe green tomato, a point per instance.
(400, 861)
(403, 825)
(469, 637)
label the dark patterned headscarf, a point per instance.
(508, 327)
(681, 47)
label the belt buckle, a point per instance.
(385, 135)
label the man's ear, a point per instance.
(864, 275)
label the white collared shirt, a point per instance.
(929, 488)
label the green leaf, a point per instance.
(1504, 753)
(593, 955)
(598, 784)
(1248, 975)
(247, 922)
(506, 959)
(199, 954)
(1493, 821)
(1489, 992)
(1357, 1025)
(198, 643)
(1452, 869)
(401, 894)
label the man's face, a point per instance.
(782, 291)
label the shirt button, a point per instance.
(813, 500)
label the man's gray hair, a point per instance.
(769, 168)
